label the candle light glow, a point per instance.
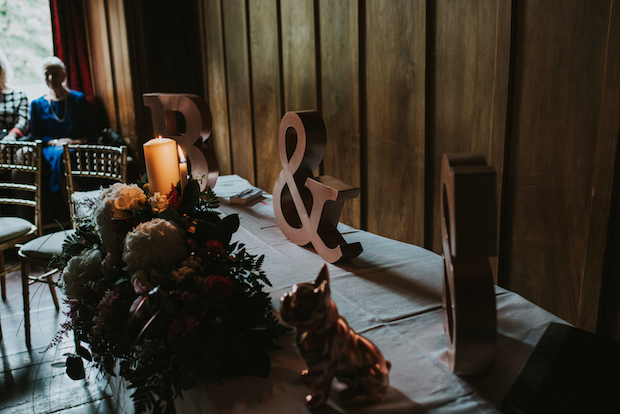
(182, 168)
(162, 164)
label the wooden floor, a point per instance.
(28, 382)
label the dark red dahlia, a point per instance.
(218, 288)
(214, 248)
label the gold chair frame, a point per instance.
(81, 160)
(21, 156)
(93, 161)
(24, 157)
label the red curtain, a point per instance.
(70, 43)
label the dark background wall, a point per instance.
(534, 86)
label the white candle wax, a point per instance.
(162, 164)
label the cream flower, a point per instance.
(80, 270)
(156, 242)
(159, 202)
(117, 201)
(127, 198)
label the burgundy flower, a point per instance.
(215, 248)
(182, 330)
(174, 199)
(218, 288)
(114, 306)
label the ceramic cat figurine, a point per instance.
(331, 348)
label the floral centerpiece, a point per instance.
(161, 295)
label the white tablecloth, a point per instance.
(391, 294)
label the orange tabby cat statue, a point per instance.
(331, 348)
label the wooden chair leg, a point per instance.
(3, 277)
(52, 286)
(26, 292)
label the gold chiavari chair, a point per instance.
(93, 163)
(24, 197)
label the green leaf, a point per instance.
(84, 353)
(143, 180)
(226, 227)
(191, 193)
(75, 368)
(59, 364)
(171, 215)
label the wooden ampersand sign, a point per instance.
(197, 116)
(469, 228)
(308, 208)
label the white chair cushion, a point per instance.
(12, 227)
(80, 201)
(45, 247)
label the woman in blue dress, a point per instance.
(61, 116)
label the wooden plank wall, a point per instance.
(532, 85)
(553, 170)
(399, 83)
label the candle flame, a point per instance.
(181, 154)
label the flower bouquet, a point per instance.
(161, 296)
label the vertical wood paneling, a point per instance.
(110, 66)
(99, 50)
(501, 103)
(601, 227)
(123, 75)
(298, 55)
(557, 95)
(239, 102)
(395, 79)
(465, 66)
(267, 102)
(532, 85)
(341, 97)
(216, 82)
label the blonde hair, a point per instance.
(6, 72)
(52, 61)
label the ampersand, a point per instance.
(469, 228)
(197, 116)
(308, 208)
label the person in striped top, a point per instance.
(14, 113)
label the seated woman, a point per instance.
(61, 116)
(13, 105)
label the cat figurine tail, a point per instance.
(331, 348)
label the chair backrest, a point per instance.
(93, 162)
(25, 157)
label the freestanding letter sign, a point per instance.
(469, 229)
(307, 209)
(198, 128)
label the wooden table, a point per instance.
(391, 294)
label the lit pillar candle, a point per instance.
(182, 169)
(162, 164)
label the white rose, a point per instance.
(159, 202)
(129, 198)
(116, 201)
(153, 242)
(80, 270)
